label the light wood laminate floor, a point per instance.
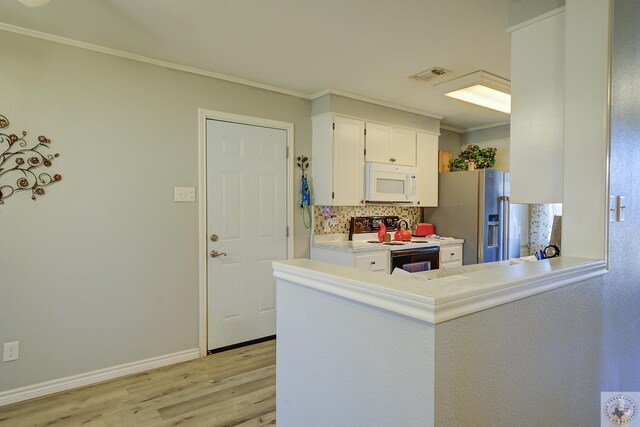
(233, 388)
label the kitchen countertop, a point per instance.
(340, 242)
(445, 298)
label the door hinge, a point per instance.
(365, 151)
(334, 125)
(287, 152)
(333, 195)
(365, 131)
(287, 231)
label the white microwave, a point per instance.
(390, 183)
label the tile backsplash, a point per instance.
(343, 215)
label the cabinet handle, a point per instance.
(373, 262)
(392, 160)
(451, 253)
(362, 202)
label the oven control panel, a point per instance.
(371, 224)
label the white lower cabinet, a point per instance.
(450, 255)
(378, 261)
(375, 261)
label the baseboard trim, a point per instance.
(54, 386)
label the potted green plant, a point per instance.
(474, 157)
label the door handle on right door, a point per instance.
(216, 254)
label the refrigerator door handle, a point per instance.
(504, 223)
(507, 220)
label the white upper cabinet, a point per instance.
(390, 145)
(427, 163)
(348, 161)
(338, 158)
(537, 111)
(403, 147)
(378, 143)
(338, 161)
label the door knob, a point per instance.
(214, 237)
(216, 254)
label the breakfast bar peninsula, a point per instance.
(493, 346)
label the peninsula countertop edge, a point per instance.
(440, 299)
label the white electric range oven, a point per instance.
(412, 256)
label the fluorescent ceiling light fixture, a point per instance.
(480, 88)
(33, 3)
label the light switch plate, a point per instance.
(185, 194)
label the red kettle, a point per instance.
(402, 233)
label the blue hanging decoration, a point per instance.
(305, 193)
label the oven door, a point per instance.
(415, 260)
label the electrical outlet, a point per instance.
(11, 351)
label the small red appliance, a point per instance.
(424, 229)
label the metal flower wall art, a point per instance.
(23, 165)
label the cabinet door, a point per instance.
(537, 104)
(372, 261)
(427, 163)
(348, 162)
(403, 147)
(450, 253)
(378, 141)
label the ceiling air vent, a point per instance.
(430, 74)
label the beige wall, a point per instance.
(450, 141)
(103, 269)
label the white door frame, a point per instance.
(203, 258)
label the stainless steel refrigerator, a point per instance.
(475, 206)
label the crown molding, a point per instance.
(489, 126)
(473, 129)
(199, 71)
(376, 102)
(141, 58)
(535, 19)
(452, 129)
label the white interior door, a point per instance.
(247, 213)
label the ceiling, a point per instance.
(365, 48)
